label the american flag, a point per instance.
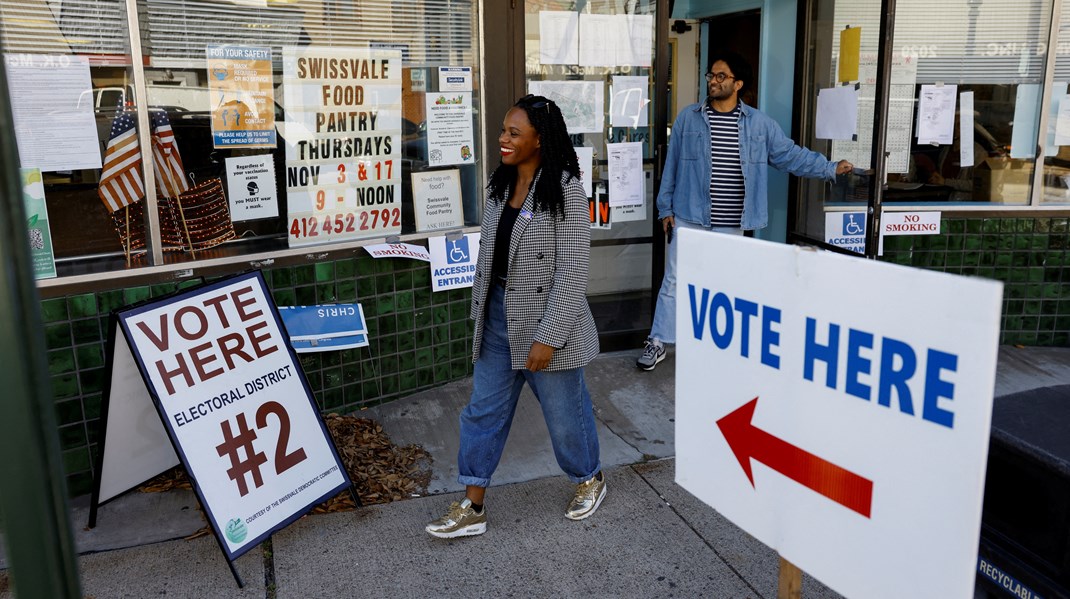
(120, 181)
(167, 162)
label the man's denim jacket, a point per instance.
(685, 184)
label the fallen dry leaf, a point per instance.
(380, 470)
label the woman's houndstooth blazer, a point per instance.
(546, 292)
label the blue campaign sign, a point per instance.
(307, 323)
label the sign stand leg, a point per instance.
(237, 577)
(790, 582)
(353, 492)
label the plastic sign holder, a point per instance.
(232, 406)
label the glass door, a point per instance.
(597, 64)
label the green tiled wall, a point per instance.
(418, 339)
(1030, 255)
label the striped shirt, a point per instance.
(726, 173)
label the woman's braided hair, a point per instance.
(556, 153)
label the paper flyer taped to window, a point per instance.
(837, 113)
(558, 37)
(936, 114)
(625, 173)
(629, 102)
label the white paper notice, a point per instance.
(558, 37)
(52, 104)
(1024, 130)
(966, 128)
(900, 114)
(625, 173)
(251, 187)
(936, 114)
(581, 102)
(450, 139)
(436, 200)
(635, 42)
(585, 156)
(598, 40)
(628, 102)
(1062, 128)
(837, 112)
(398, 250)
(453, 79)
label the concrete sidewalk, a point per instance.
(650, 538)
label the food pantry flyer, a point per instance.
(343, 143)
(236, 406)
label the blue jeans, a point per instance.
(485, 421)
(664, 327)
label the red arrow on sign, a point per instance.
(749, 442)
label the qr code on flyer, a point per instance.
(37, 239)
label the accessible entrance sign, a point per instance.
(837, 409)
(216, 365)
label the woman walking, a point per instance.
(533, 324)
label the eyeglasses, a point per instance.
(718, 77)
(529, 100)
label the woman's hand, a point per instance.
(539, 356)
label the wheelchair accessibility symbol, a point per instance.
(851, 226)
(457, 251)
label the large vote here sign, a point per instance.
(236, 406)
(837, 409)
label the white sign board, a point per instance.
(251, 187)
(343, 143)
(436, 199)
(453, 261)
(908, 223)
(454, 79)
(398, 250)
(837, 409)
(236, 406)
(846, 230)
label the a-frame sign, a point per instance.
(231, 404)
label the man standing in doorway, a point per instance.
(715, 177)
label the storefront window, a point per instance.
(966, 70)
(69, 73)
(273, 124)
(1057, 150)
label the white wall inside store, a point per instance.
(687, 76)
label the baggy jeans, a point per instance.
(485, 421)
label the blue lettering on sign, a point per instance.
(720, 308)
(730, 321)
(898, 365)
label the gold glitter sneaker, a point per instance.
(588, 497)
(460, 521)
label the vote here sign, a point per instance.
(236, 405)
(837, 409)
